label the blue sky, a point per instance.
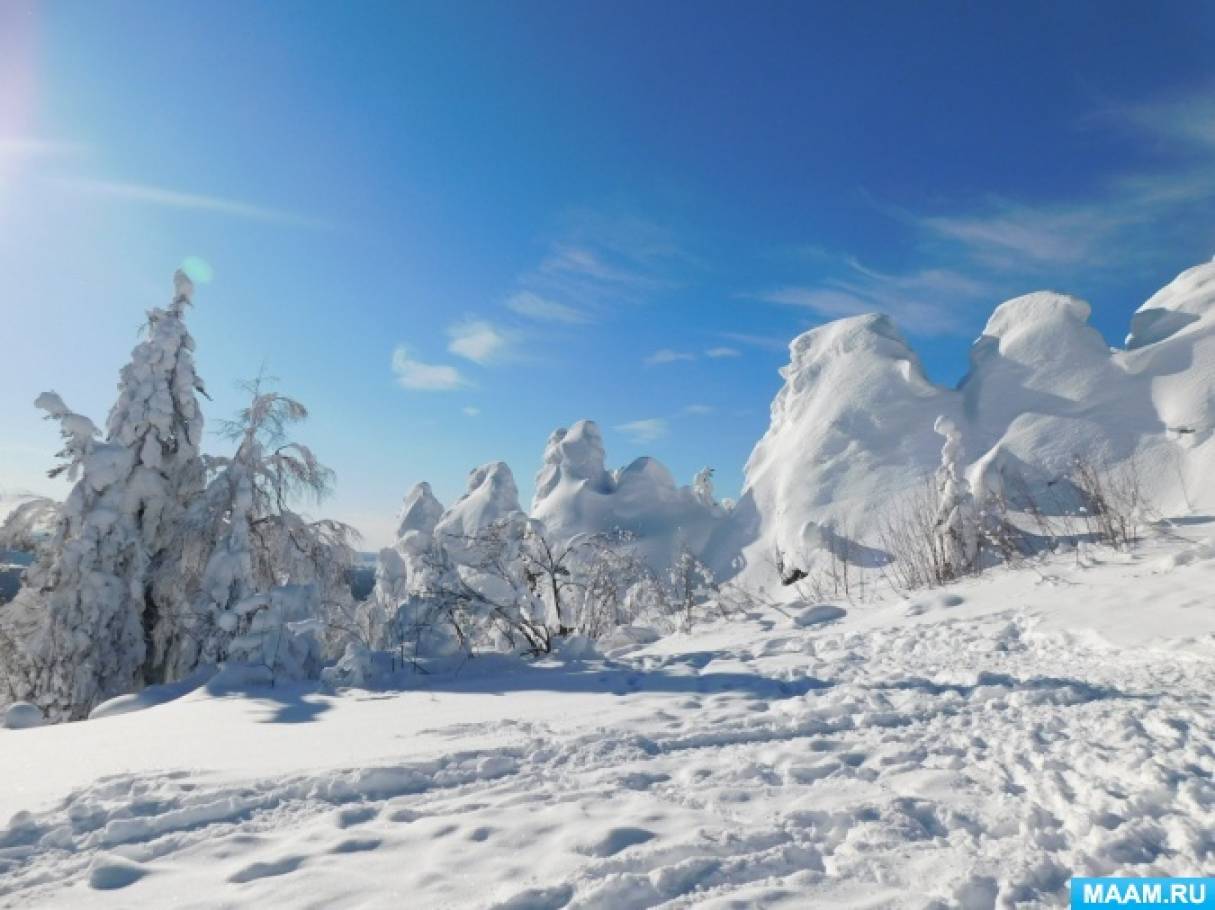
(450, 227)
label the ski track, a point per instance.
(945, 764)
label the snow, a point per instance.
(969, 746)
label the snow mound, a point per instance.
(819, 614)
(576, 494)
(21, 715)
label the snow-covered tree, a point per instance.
(957, 523)
(692, 584)
(79, 627)
(390, 615)
(702, 486)
(250, 563)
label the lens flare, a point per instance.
(197, 269)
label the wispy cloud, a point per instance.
(928, 302)
(480, 341)
(429, 377)
(643, 431)
(1187, 118)
(761, 342)
(471, 411)
(598, 262)
(699, 410)
(541, 309)
(720, 352)
(168, 198)
(667, 355)
(1130, 217)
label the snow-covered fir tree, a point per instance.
(79, 628)
(957, 522)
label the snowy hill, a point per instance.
(852, 428)
(968, 747)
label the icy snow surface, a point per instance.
(972, 746)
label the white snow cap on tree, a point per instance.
(957, 518)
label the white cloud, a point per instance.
(667, 355)
(430, 377)
(699, 410)
(479, 341)
(648, 430)
(720, 352)
(152, 195)
(471, 411)
(533, 306)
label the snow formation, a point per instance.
(576, 494)
(852, 429)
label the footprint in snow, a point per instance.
(538, 899)
(615, 840)
(255, 871)
(356, 815)
(357, 845)
(109, 873)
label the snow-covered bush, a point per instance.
(907, 532)
(279, 630)
(1114, 507)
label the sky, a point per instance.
(449, 228)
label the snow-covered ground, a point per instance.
(972, 746)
